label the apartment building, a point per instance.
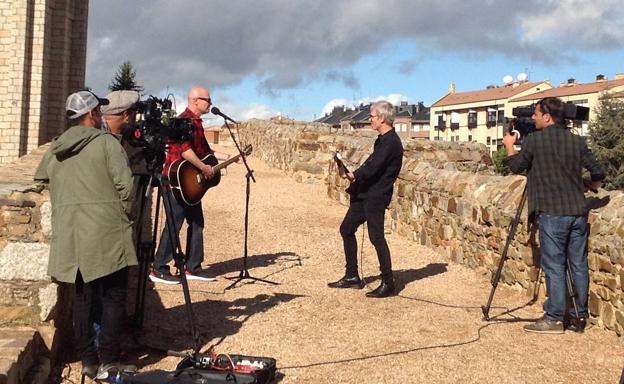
(478, 115)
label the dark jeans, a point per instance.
(561, 238)
(112, 289)
(361, 211)
(195, 219)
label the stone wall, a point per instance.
(448, 198)
(31, 304)
(42, 60)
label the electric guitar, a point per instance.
(189, 185)
(343, 170)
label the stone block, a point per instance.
(612, 283)
(595, 304)
(24, 261)
(619, 318)
(608, 316)
(48, 297)
(604, 264)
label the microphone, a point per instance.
(216, 111)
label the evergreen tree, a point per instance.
(606, 135)
(124, 79)
(497, 158)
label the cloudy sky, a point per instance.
(301, 57)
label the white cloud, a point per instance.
(287, 43)
(333, 103)
(393, 98)
(583, 25)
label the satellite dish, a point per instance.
(507, 79)
(522, 76)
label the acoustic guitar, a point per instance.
(189, 185)
(343, 170)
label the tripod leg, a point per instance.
(179, 261)
(512, 233)
(571, 289)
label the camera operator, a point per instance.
(119, 117)
(91, 247)
(199, 103)
(554, 158)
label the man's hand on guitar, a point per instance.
(207, 171)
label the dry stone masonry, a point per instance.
(448, 197)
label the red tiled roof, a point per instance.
(499, 93)
(576, 89)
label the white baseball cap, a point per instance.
(81, 102)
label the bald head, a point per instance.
(199, 100)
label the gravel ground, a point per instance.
(431, 332)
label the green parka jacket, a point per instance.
(91, 196)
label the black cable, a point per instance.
(394, 353)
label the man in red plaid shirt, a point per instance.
(193, 151)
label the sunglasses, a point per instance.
(206, 99)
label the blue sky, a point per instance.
(299, 58)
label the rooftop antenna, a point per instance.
(507, 79)
(522, 77)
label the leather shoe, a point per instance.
(347, 282)
(384, 290)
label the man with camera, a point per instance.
(199, 103)
(554, 159)
(375, 181)
(91, 194)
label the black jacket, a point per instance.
(375, 178)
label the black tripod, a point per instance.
(146, 250)
(496, 278)
(244, 272)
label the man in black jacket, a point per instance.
(554, 158)
(374, 181)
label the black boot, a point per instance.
(347, 282)
(385, 289)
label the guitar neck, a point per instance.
(224, 164)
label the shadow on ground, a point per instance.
(403, 277)
(169, 328)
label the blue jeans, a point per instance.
(195, 219)
(561, 238)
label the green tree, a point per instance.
(497, 158)
(606, 135)
(124, 79)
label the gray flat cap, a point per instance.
(120, 101)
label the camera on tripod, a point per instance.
(523, 125)
(157, 127)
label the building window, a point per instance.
(501, 116)
(457, 138)
(454, 120)
(472, 119)
(441, 124)
(469, 137)
(488, 140)
(491, 117)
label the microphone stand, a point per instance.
(244, 272)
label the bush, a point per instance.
(498, 157)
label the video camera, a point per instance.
(523, 125)
(156, 127)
